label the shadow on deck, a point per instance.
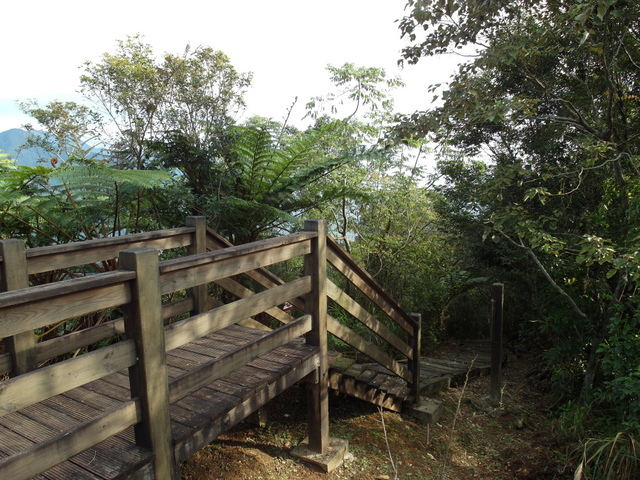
(196, 420)
(135, 395)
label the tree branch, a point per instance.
(546, 274)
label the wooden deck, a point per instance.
(375, 384)
(179, 366)
(195, 420)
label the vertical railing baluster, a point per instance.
(199, 245)
(14, 276)
(148, 377)
(415, 342)
(497, 303)
(316, 302)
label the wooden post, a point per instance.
(13, 277)
(415, 341)
(199, 245)
(497, 302)
(148, 377)
(318, 390)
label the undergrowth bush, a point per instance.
(613, 458)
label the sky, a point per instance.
(286, 44)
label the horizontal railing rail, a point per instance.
(75, 341)
(378, 296)
(231, 261)
(67, 255)
(137, 290)
(184, 283)
(363, 280)
(65, 445)
(35, 307)
(408, 348)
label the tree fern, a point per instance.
(270, 178)
(76, 201)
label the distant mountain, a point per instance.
(10, 142)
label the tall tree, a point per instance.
(363, 104)
(549, 103)
(266, 181)
(144, 98)
(70, 129)
(129, 89)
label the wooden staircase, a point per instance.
(167, 308)
(375, 384)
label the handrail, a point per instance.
(85, 435)
(74, 341)
(137, 288)
(24, 390)
(66, 255)
(348, 267)
(412, 325)
(35, 307)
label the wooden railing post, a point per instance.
(199, 245)
(415, 342)
(318, 391)
(497, 303)
(13, 277)
(148, 377)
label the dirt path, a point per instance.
(472, 441)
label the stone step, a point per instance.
(427, 411)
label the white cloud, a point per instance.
(286, 43)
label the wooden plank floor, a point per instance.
(196, 420)
(375, 384)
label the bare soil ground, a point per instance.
(516, 441)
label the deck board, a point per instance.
(375, 384)
(195, 420)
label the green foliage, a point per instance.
(79, 200)
(70, 129)
(142, 97)
(6, 162)
(358, 88)
(621, 368)
(615, 458)
(270, 180)
(547, 104)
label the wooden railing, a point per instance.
(137, 287)
(143, 278)
(407, 348)
(18, 263)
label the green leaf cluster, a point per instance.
(79, 200)
(547, 101)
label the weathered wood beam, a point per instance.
(13, 276)
(198, 245)
(189, 329)
(368, 320)
(198, 269)
(24, 390)
(363, 280)
(370, 350)
(148, 378)
(36, 307)
(207, 373)
(315, 266)
(45, 259)
(44, 455)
